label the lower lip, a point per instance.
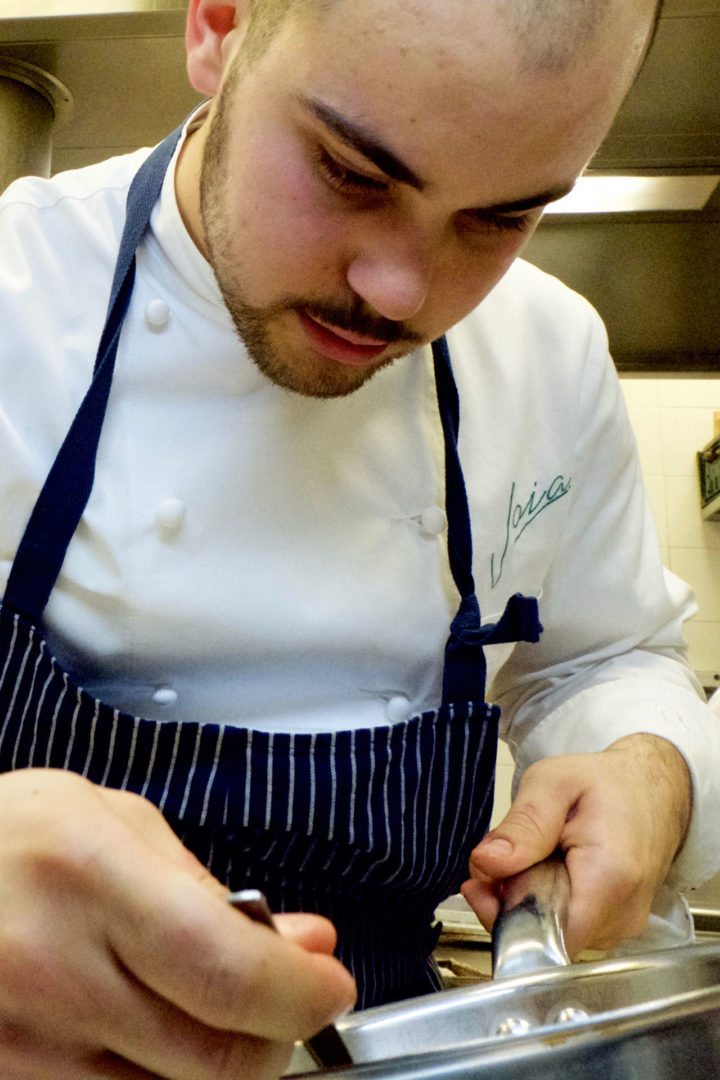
(337, 348)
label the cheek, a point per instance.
(292, 219)
(471, 273)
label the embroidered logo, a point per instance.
(521, 514)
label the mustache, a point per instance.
(358, 320)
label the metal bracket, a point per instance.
(42, 82)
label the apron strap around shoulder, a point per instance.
(465, 670)
(67, 488)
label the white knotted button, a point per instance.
(170, 515)
(165, 696)
(433, 521)
(397, 709)
(157, 314)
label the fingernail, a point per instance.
(498, 846)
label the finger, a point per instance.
(212, 962)
(312, 932)
(105, 896)
(610, 899)
(23, 1057)
(139, 1029)
(148, 824)
(483, 899)
(532, 828)
(160, 1040)
(90, 1002)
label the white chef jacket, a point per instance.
(252, 556)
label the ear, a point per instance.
(210, 24)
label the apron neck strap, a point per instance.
(465, 670)
(67, 488)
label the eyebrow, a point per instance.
(358, 138)
(367, 144)
(532, 202)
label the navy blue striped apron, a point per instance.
(373, 827)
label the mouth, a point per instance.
(343, 346)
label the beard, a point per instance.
(300, 369)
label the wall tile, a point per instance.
(703, 640)
(503, 783)
(503, 798)
(701, 568)
(504, 757)
(645, 420)
(686, 525)
(639, 390)
(689, 393)
(707, 895)
(655, 486)
(683, 433)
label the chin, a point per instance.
(323, 379)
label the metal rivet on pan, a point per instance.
(513, 1026)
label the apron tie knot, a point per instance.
(520, 621)
(465, 664)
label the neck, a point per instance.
(187, 181)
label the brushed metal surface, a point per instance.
(677, 1040)
(26, 121)
(618, 1003)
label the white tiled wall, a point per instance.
(503, 782)
(672, 419)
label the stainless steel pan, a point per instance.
(649, 1017)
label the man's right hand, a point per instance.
(120, 957)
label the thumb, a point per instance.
(313, 932)
(529, 832)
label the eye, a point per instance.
(488, 221)
(346, 180)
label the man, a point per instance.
(257, 588)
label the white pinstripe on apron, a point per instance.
(373, 827)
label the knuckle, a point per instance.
(525, 819)
(223, 990)
(33, 975)
(71, 859)
(249, 1058)
(625, 881)
(139, 805)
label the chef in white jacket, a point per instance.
(229, 567)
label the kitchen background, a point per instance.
(83, 79)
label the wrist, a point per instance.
(661, 766)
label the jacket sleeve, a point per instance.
(612, 658)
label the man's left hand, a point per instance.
(619, 818)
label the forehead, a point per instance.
(446, 81)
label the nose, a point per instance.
(392, 277)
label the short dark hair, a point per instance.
(266, 17)
(552, 33)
